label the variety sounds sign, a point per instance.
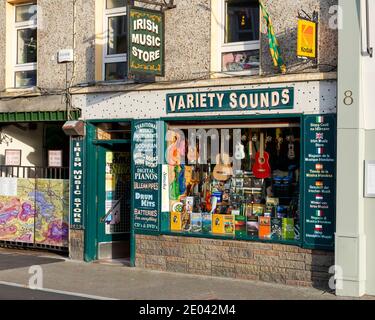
(241, 100)
(146, 32)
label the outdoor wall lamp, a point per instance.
(370, 50)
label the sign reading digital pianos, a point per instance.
(320, 168)
(146, 32)
(146, 176)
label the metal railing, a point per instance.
(28, 172)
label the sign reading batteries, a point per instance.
(146, 176)
(146, 51)
(320, 181)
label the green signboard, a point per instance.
(235, 100)
(146, 41)
(320, 181)
(77, 183)
(146, 176)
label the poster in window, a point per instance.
(13, 157)
(55, 158)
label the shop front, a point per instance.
(235, 181)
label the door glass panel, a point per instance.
(117, 192)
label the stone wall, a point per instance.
(2, 44)
(283, 264)
(76, 244)
(187, 40)
(56, 33)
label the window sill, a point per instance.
(115, 83)
(25, 92)
(229, 74)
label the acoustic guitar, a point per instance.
(261, 167)
(223, 171)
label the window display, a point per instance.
(238, 182)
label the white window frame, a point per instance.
(222, 47)
(111, 58)
(30, 24)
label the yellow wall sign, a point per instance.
(306, 39)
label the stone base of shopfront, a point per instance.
(277, 263)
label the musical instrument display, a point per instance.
(248, 185)
(261, 167)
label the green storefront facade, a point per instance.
(303, 211)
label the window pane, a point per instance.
(26, 46)
(25, 78)
(117, 43)
(242, 21)
(115, 71)
(241, 61)
(115, 3)
(26, 12)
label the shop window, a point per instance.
(115, 36)
(25, 45)
(239, 180)
(236, 36)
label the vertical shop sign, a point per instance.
(146, 42)
(77, 182)
(320, 181)
(146, 176)
(306, 39)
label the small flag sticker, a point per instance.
(318, 228)
(319, 197)
(320, 150)
(320, 119)
(319, 167)
(319, 213)
(319, 184)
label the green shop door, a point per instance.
(113, 200)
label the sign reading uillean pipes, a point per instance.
(235, 100)
(146, 176)
(146, 43)
(320, 185)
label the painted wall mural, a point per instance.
(37, 210)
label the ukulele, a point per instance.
(261, 168)
(240, 151)
(223, 171)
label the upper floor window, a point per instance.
(115, 35)
(25, 45)
(236, 36)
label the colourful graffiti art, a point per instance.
(39, 212)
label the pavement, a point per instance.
(70, 280)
